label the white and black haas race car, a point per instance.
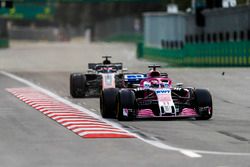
(99, 76)
(156, 97)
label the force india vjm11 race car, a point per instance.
(100, 76)
(156, 97)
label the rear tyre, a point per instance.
(77, 85)
(125, 105)
(107, 102)
(204, 105)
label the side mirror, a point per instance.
(90, 71)
(179, 85)
(124, 70)
(136, 85)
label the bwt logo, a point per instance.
(162, 91)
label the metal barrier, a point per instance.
(4, 43)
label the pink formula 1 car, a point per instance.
(155, 97)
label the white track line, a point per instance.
(158, 144)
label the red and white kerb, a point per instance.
(73, 119)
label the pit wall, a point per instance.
(222, 54)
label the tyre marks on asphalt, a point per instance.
(73, 119)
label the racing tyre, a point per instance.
(204, 105)
(107, 102)
(125, 105)
(77, 85)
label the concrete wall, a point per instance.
(29, 33)
(191, 27)
(227, 19)
(163, 30)
(159, 27)
(117, 26)
(4, 40)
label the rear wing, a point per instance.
(154, 66)
(118, 65)
(93, 66)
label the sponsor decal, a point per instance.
(125, 112)
(207, 108)
(163, 91)
(108, 79)
(148, 102)
(134, 77)
(166, 108)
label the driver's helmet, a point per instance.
(155, 84)
(146, 84)
(164, 85)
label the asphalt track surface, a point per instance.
(28, 138)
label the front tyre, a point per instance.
(126, 105)
(204, 105)
(108, 102)
(77, 85)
